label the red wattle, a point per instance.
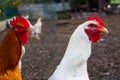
(23, 38)
(94, 36)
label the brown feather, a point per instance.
(10, 52)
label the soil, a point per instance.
(42, 56)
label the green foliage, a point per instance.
(6, 5)
(115, 1)
(10, 3)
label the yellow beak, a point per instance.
(104, 30)
(29, 29)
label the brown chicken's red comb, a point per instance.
(96, 18)
(19, 21)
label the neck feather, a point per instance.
(10, 52)
(78, 50)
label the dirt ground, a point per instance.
(42, 56)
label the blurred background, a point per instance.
(56, 9)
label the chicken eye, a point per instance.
(92, 26)
(20, 27)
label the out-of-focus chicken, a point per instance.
(74, 63)
(37, 29)
(26, 16)
(11, 49)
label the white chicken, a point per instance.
(37, 29)
(26, 17)
(74, 63)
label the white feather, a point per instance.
(37, 29)
(26, 17)
(20, 62)
(38, 26)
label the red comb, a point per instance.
(21, 21)
(96, 18)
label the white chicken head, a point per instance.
(40, 19)
(94, 28)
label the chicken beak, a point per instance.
(104, 30)
(29, 29)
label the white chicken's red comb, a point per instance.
(96, 18)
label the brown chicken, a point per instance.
(11, 47)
